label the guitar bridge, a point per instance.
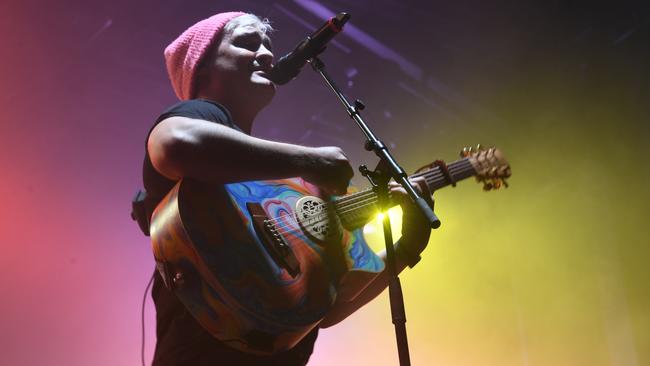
(273, 241)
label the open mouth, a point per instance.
(262, 73)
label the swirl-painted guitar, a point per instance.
(259, 264)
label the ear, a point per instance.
(202, 76)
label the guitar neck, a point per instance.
(357, 209)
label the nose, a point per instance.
(264, 56)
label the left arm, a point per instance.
(343, 309)
(415, 237)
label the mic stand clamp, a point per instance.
(387, 168)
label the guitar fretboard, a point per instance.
(357, 209)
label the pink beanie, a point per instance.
(185, 53)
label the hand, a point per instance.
(329, 169)
(415, 228)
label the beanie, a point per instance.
(186, 52)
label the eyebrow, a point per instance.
(255, 34)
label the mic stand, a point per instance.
(386, 169)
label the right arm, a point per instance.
(184, 147)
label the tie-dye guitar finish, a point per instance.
(259, 264)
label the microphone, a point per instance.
(289, 65)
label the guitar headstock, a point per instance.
(491, 167)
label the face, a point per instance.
(238, 68)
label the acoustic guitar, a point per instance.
(260, 263)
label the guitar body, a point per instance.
(255, 278)
(259, 264)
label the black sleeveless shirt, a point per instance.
(181, 341)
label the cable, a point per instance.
(144, 299)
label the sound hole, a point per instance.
(311, 213)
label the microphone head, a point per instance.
(287, 68)
(340, 19)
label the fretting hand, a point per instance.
(415, 228)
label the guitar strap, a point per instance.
(443, 169)
(139, 211)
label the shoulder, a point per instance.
(198, 109)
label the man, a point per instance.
(218, 68)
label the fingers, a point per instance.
(415, 228)
(338, 172)
(338, 190)
(424, 190)
(420, 185)
(329, 169)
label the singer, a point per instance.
(219, 68)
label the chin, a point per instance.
(264, 92)
(270, 93)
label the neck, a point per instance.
(242, 113)
(243, 116)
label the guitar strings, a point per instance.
(358, 202)
(345, 206)
(368, 196)
(429, 176)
